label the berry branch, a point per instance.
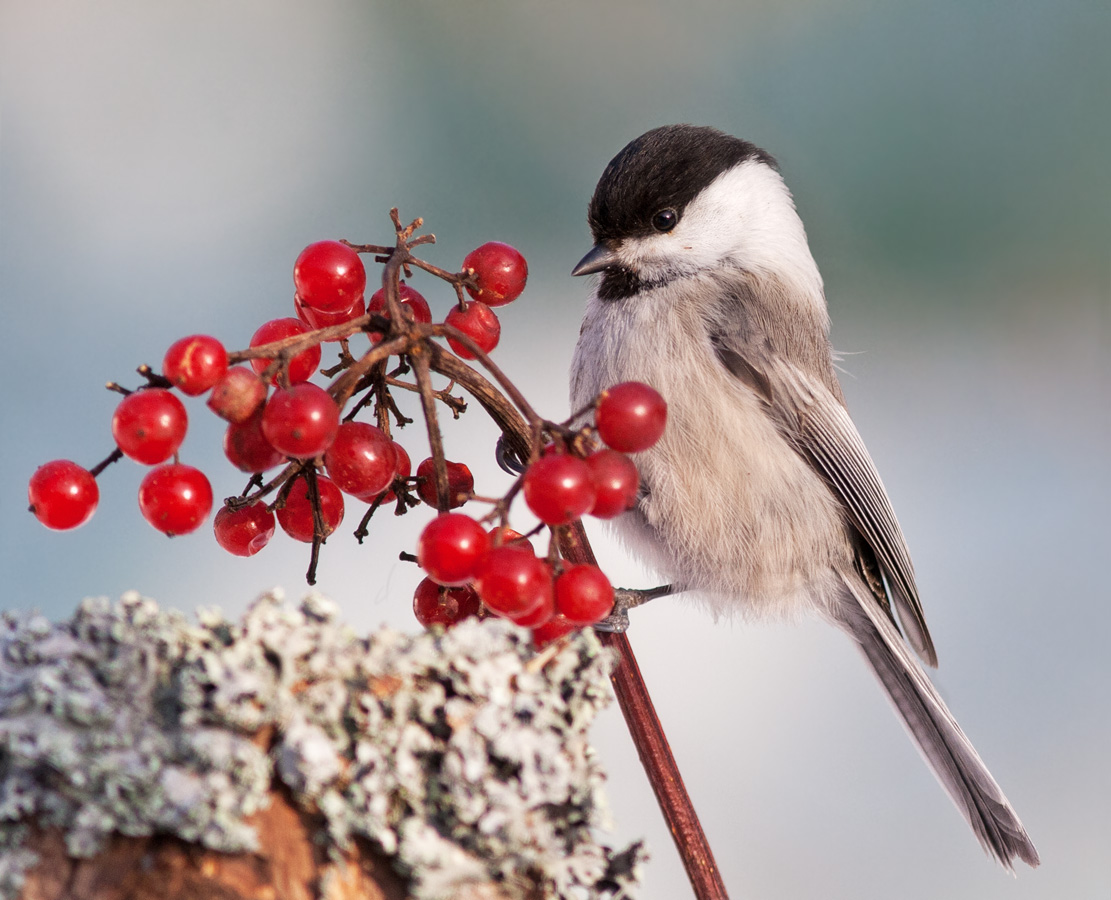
(279, 417)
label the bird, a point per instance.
(760, 498)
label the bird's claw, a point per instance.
(624, 599)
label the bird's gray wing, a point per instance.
(818, 426)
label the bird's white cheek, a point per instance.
(662, 256)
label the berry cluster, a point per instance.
(499, 571)
(279, 417)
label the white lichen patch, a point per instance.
(452, 751)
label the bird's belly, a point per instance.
(731, 511)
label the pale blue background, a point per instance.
(161, 164)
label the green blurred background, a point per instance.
(162, 164)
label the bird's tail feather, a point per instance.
(949, 753)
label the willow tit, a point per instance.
(760, 496)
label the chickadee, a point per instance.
(760, 495)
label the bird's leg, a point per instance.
(625, 599)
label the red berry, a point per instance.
(296, 516)
(175, 498)
(411, 301)
(361, 460)
(460, 483)
(315, 319)
(403, 470)
(451, 547)
(512, 583)
(539, 614)
(552, 630)
(504, 536)
(245, 531)
(303, 365)
(237, 395)
(583, 595)
(615, 482)
(630, 416)
(62, 494)
(437, 605)
(479, 323)
(195, 363)
(501, 273)
(246, 446)
(149, 425)
(559, 488)
(329, 276)
(301, 422)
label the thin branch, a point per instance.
(652, 746)
(419, 360)
(318, 532)
(115, 456)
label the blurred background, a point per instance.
(161, 166)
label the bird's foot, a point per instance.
(625, 599)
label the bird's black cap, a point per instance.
(663, 168)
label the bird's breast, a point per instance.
(731, 510)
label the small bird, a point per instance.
(760, 497)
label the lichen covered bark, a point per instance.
(459, 756)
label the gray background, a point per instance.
(161, 165)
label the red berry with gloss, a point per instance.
(303, 365)
(559, 488)
(434, 604)
(329, 276)
(237, 395)
(479, 323)
(451, 548)
(539, 614)
(500, 272)
(149, 425)
(504, 536)
(315, 319)
(412, 302)
(552, 630)
(62, 494)
(361, 460)
(460, 482)
(616, 482)
(403, 470)
(246, 446)
(194, 364)
(301, 422)
(175, 498)
(583, 595)
(630, 417)
(296, 516)
(245, 531)
(512, 583)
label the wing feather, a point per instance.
(817, 424)
(827, 436)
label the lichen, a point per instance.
(458, 753)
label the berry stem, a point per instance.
(317, 523)
(419, 359)
(652, 745)
(115, 456)
(363, 531)
(508, 386)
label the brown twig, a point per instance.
(115, 456)
(418, 357)
(318, 533)
(652, 746)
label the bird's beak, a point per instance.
(599, 258)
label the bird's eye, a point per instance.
(665, 220)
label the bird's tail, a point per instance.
(950, 754)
